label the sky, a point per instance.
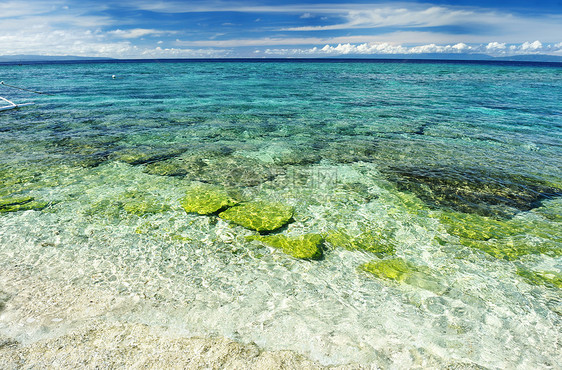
(267, 28)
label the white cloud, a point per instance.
(399, 37)
(98, 44)
(136, 33)
(265, 41)
(492, 24)
(531, 46)
(461, 46)
(53, 28)
(11, 9)
(386, 48)
(495, 46)
(59, 42)
(184, 53)
(399, 16)
(175, 7)
(493, 49)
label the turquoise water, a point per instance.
(456, 167)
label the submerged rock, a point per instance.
(88, 161)
(191, 166)
(18, 179)
(471, 190)
(350, 150)
(304, 246)
(140, 203)
(224, 171)
(236, 172)
(370, 241)
(547, 278)
(166, 168)
(259, 216)
(552, 210)
(10, 201)
(14, 204)
(511, 249)
(507, 240)
(477, 227)
(206, 199)
(401, 271)
(142, 155)
(299, 157)
(133, 202)
(85, 144)
(84, 151)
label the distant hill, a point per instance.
(532, 58)
(424, 56)
(44, 58)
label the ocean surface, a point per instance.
(435, 187)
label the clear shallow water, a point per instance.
(398, 149)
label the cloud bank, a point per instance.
(217, 28)
(494, 49)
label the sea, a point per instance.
(434, 186)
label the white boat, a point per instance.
(12, 105)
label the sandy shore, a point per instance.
(124, 345)
(66, 327)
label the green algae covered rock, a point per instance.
(394, 269)
(304, 246)
(259, 216)
(10, 201)
(132, 202)
(547, 278)
(14, 204)
(143, 205)
(206, 200)
(477, 227)
(402, 271)
(370, 241)
(140, 203)
(511, 249)
(507, 240)
(104, 208)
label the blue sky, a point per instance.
(313, 28)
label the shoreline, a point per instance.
(141, 346)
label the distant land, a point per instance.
(425, 56)
(44, 58)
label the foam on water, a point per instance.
(87, 260)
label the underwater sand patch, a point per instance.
(126, 345)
